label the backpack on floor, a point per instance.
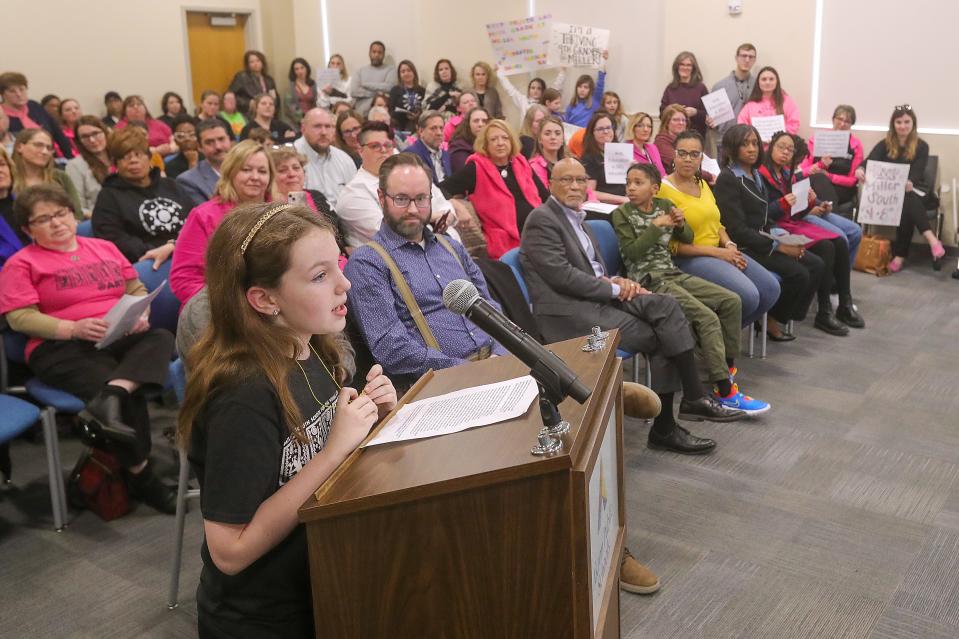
(97, 484)
(874, 255)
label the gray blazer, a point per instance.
(198, 183)
(561, 280)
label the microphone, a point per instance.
(461, 297)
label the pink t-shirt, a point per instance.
(74, 285)
(188, 269)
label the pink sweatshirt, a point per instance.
(188, 270)
(847, 180)
(766, 107)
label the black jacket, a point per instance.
(744, 212)
(137, 218)
(39, 115)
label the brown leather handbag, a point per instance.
(874, 255)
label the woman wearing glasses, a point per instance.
(712, 255)
(903, 145)
(33, 163)
(56, 291)
(599, 132)
(92, 165)
(500, 184)
(139, 210)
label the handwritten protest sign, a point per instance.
(835, 144)
(520, 45)
(718, 106)
(801, 191)
(883, 194)
(324, 77)
(617, 157)
(769, 125)
(574, 45)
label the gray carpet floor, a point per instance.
(835, 515)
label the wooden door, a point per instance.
(216, 53)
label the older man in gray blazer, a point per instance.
(572, 290)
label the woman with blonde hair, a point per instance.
(903, 145)
(269, 414)
(33, 165)
(529, 130)
(501, 185)
(672, 121)
(337, 91)
(246, 176)
(639, 131)
(613, 105)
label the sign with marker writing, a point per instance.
(718, 107)
(617, 158)
(520, 45)
(769, 125)
(574, 45)
(835, 144)
(883, 193)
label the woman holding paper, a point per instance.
(687, 89)
(779, 180)
(769, 99)
(269, 414)
(599, 132)
(903, 145)
(57, 291)
(712, 255)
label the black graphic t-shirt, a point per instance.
(139, 218)
(242, 454)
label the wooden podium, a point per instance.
(469, 534)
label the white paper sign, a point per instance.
(124, 315)
(617, 156)
(574, 45)
(709, 165)
(769, 125)
(883, 193)
(801, 191)
(520, 45)
(326, 76)
(835, 144)
(718, 106)
(599, 207)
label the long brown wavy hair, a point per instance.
(908, 151)
(240, 343)
(99, 169)
(20, 167)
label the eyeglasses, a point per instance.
(786, 149)
(403, 201)
(691, 155)
(350, 132)
(41, 146)
(566, 180)
(603, 129)
(380, 146)
(86, 137)
(43, 220)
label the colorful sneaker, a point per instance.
(745, 403)
(732, 374)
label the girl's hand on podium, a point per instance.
(380, 389)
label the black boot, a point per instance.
(846, 313)
(102, 417)
(826, 321)
(148, 488)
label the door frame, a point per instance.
(251, 35)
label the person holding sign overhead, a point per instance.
(779, 179)
(587, 97)
(768, 99)
(57, 291)
(687, 89)
(902, 145)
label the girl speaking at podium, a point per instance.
(268, 414)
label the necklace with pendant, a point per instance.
(503, 172)
(307, 379)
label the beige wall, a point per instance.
(130, 46)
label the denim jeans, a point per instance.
(842, 227)
(756, 287)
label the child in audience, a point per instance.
(614, 107)
(585, 101)
(903, 145)
(768, 98)
(645, 226)
(529, 130)
(553, 100)
(269, 415)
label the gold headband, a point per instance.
(259, 224)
